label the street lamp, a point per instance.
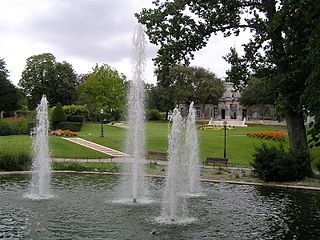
(225, 139)
(101, 121)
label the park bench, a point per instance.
(157, 155)
(217, 160)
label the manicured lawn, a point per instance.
(59, 148)
(239, 146)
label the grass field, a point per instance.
(239, 146)
(59, 147)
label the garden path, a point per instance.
(97, 147)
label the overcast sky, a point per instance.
(86, 32)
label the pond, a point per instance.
(84, 208)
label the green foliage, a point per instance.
(20, 125)
(103, 88)
(43, 75)
(195, 84)
(259, 91)
(5, 128)
(75, 110)
(75, 119)
(73, 126)
(58, 115)
(14, 161)
(9, 94)
(153, 115)
(276, 164)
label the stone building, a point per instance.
(229, 108)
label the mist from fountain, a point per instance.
(192, 153)
(41, 163)
(133, 185)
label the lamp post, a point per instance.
(101, 122)
(225, 139)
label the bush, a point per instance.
(76, 110)
(267, 135)
(58, 115)
(153, 115)
(5, 128)
(276, 164)
(75, 119)
(15, 161)
(72, 126)
(19, 125)
(63, 133)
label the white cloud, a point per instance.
(86, 32)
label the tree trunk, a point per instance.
(167, 115)
(296, 130)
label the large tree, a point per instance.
(44, 75)
(103, 88)
(285, 35)
(9, 95)
(195, 84)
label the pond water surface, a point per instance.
(84, 208)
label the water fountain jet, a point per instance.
(135, 142)
(41, 168)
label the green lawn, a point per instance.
(59, 147)
(239, 146)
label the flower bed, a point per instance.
(63, 133)
(267, 135)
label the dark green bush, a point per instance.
(276, 164)
(5, 128)
(153, 115)
(75, 119)
(58, 115)
(19, 125)
(15, 161)
(73, 126)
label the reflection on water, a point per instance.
(83, 208)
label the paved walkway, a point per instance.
(97, 147)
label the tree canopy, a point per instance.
(9, 94)
(195, 84)
(282, 47)
(103, 88)
(44, 75)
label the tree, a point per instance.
(259, 91)
(103, 88)
(9, 96)
(281, 48)
(195, 84)
(58, 115)
(44, 75)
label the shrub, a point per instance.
(19, 125)
(75, 110)
(58, 115)
(15, 161)
(75, 119)
(64, 133)
(276, 164)
(267, 135)
(153, 115)
(5, 129)
(73, 126)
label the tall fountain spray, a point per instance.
(135, 144)
(192, 153)
(172, 205)
(41, 169)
